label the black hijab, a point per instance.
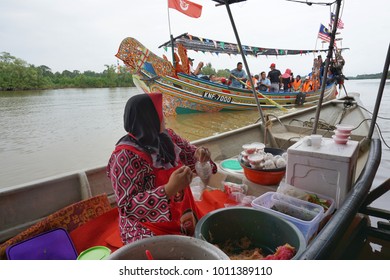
(142, 120)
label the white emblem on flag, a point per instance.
(184, 5)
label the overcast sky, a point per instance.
(85, 34)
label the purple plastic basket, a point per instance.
(50, 245)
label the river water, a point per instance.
(46, 133)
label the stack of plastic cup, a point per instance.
(342, 133)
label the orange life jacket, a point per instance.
(307, 86)
(296, 84)
(316, 84)
(248, 83)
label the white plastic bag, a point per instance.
(290, 190)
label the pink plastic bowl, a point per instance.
(344, 128)
(340, 140)
(342, 135)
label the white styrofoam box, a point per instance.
(304, 215)
(328, 169)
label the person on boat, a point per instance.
(150, 170)
(315, 75)
(296, 85)
(264, 83)
(274, 76)
(219, 80)
(238, 76)
(286, 80)
(307, 84)
(254, 80)
(198, 69)
(330, 78)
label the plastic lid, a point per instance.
(95, 253)
(231, 164)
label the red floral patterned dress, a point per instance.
(139, 189)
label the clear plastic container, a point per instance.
(305, 215)
(326, 202)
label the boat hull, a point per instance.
(184, 93)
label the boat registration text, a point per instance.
(216, 97)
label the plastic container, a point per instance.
(326, 202)
(305, 215)
(315, 140)
(232, 166)
(95, 253)
(54, 244)
(344, 128)
(341, 134)
(340, 140)
(253, 147)
(264, 177)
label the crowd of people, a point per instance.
(273, 81)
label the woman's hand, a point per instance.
(202, 154)
(179, 180)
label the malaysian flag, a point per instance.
(324, 33)
(340, 23)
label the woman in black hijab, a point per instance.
(150, 171)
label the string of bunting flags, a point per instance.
(196, 43)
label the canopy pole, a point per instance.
(171, 38)
(327, 63)
(380, 93)
(245, 62)
(173, 52)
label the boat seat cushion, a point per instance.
(101, 231)
(68, 218)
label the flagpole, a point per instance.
(171, 38)
(328, 58)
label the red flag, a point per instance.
(186, 7)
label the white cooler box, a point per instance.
(328, 169)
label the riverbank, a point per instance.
(17, 74)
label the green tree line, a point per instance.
(369, 76)
(17, 74)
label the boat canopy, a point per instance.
(223, 2)
(196, 43)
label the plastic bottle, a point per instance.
(204, 170)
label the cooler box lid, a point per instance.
(328, 150)
(51, 245)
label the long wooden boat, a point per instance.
(185, 93)
(34, 207)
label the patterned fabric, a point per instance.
(138, 197)
(68, 218)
